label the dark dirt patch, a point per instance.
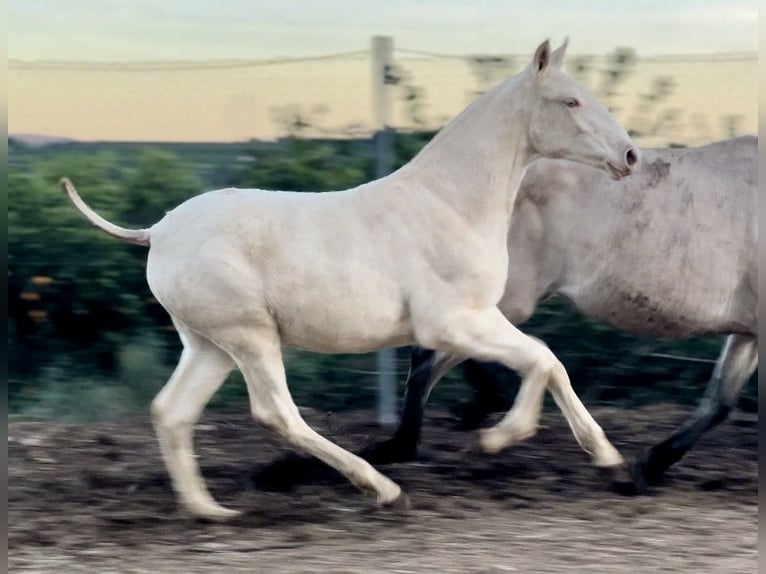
(96, 498)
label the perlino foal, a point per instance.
(418, 256)
(670, 252)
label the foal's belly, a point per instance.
(342, 334)
(347, 321)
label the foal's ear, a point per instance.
(542, 58)
(557, 57)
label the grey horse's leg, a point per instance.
(736, 363)
(490, 382)
(426, 368)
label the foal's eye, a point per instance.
(571, 103)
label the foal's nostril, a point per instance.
(631, 157)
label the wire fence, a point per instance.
(663, 100)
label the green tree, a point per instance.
(298, 163)
(74, 291)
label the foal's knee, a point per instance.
(541, 360)
(172, 416)
(158, 411)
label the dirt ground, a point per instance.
(96, 498)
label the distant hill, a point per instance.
(34, 140)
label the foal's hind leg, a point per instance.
(259, 356)
(200, 372)
(737, 361)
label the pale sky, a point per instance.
(106, 30)
(207, 104)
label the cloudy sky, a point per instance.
(212, 29)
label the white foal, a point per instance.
(419, 256)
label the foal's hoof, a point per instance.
(399, 504)
(492, 441)
(213, 513)
(620, 479)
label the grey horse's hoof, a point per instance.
(645, 474)
(620, 479)
(639, 479)
(388, 452)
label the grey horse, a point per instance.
(669, 252)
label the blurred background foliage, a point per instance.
(86, 339)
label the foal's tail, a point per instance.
(137, 236)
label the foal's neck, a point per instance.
(476, 162)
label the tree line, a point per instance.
(83, 323)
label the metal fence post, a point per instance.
(383, 80)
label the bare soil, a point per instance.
(96, 498)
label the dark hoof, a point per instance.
(646, 475)
(388, 452)
(471, 418)
(619, 479)
(639, 480)
(400, 504)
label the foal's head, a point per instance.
(566, 121)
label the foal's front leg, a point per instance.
(488, 335)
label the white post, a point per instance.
(383, 80)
